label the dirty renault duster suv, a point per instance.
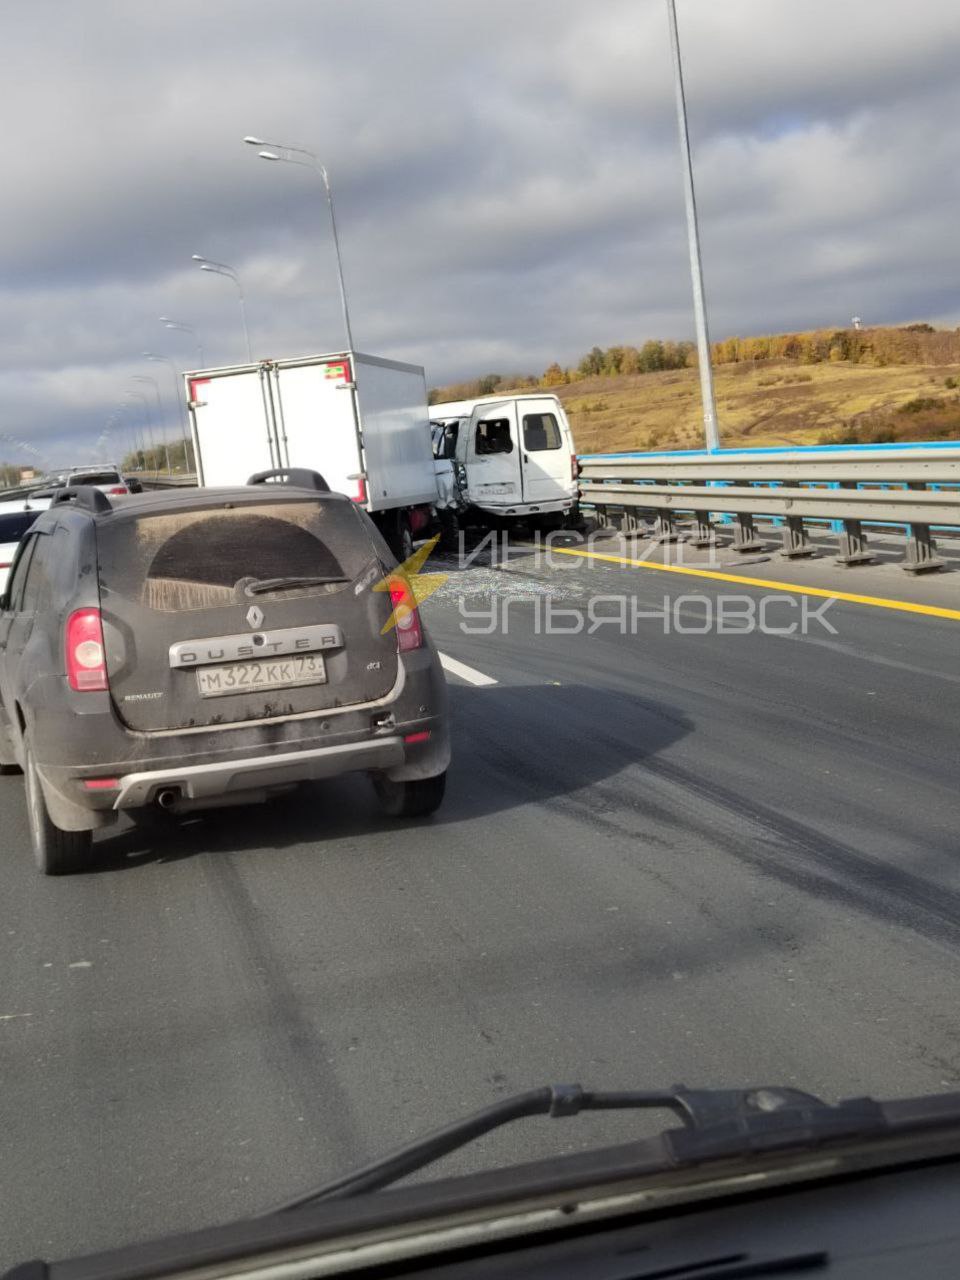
(207, 647)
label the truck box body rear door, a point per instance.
(392, 403)
(200, 629)
(316, 420)
(233, 433)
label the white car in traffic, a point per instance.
(16, 517)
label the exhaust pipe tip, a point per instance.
(168, 797)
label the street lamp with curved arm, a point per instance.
(282, 152)
(185, 328)
(136, 435)
(184, 425)
(145, 377)
(148, 424)
(224, 269)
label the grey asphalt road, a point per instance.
(715, 858)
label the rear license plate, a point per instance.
(249, 677)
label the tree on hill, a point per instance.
(592, 364)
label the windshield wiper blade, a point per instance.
(263, 585)
(717, 1122)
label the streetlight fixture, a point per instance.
(224, 269)
(708, 400)
(186, 328)
(287, 154)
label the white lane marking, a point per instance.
(470, 674)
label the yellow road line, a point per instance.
(877, 602)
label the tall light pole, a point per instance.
(139, 440)
(148, 425)
(710, 430)
(186, 328)
(145, 377)
(224, 269)
(109, 423)
(184, 427)
(288, 155)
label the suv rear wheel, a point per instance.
(56, 852)
(409, 799)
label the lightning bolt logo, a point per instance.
(416, 586)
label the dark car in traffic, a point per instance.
(204, 647)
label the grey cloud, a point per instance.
(506, 176)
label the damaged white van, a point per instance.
(503, 460)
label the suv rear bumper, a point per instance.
(91, 768)
(201, 782)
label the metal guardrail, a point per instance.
(916, 487)
(160, 480)
(149, 480)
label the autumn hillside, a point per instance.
(842, 386)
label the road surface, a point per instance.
(715, 858)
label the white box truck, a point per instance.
(504, 459)
(361, 421)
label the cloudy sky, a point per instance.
(506, 174)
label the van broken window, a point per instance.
(493, 436)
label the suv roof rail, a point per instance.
(298, 477)
(84, 495)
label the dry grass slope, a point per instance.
(770, 402)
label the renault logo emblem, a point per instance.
(254, 617)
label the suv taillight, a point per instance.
(120, 488)
(575, 467)
(404, 602)
(86, 663)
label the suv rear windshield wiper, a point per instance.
(263, 585)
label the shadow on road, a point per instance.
(513, 746)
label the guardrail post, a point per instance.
(853, 544)
(705, 535)
(665, 529)
(745, 535)
(796, 541)
(853, 541)
(921, 549)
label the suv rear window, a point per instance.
(199, 559)
(15, 524)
